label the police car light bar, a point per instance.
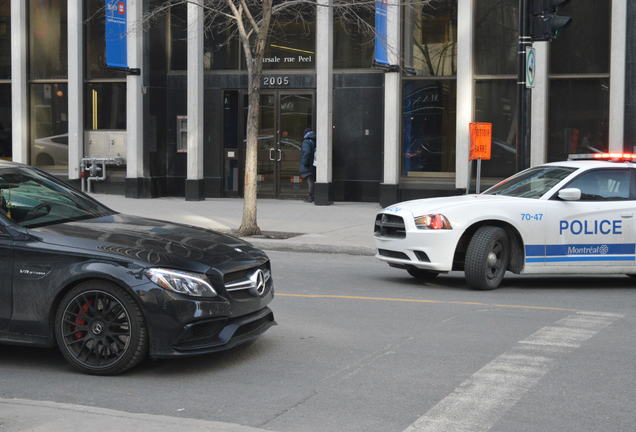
(619, 157)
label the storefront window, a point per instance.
(496, 35)
(428, 125)
(496, 103)
(292, 41)
(5, 39)
(95, 44)
(178, 30)
(48, 39)
(221, 50)
(105, 106)
(49, 125)
(585, 46)
(5, 121)
(579, 111)
(354, 37)
(430, 29)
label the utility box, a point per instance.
(105, 144)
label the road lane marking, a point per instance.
(409, 300)
(479, 402)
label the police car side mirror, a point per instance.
(570, 194)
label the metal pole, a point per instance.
(523, 111)
(478, 180)
(470, 168)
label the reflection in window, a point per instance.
(603, 185)
(48, 39)
(496, 104)
(353, 37)
(49, 125)
(5, 39)
(5, 121)
(178, 40)
(428, 123)
(585, 46)
(292, 41)
(431, 38)
(95, 44)
(496, 34)
(579, 111)
(105, 106)
(221, 48)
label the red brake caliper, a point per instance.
(79, 321)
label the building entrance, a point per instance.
(284, 118)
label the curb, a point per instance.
(286, 246)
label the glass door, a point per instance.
(284, 118)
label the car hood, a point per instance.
(427, 205)
(151, 242)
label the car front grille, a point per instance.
(243, 284)
(387, 225)
(393, 254)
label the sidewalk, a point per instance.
(343, 227)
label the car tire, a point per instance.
(487, 258)
(422, 275)
(100, 329)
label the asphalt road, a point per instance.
(363, 347)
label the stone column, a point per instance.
(540, 106)
(392, 109)
(194, 190)
(618, 52)
(324, 103)
(75, 88)
(19, 81)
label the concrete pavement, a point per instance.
(343, 227)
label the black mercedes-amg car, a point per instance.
(110, 289)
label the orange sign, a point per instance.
(480, 141)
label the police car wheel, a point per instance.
(421, 274)
(487, 258)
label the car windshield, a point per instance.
(33, 199)
(531, 183)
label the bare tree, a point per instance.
(251, 21)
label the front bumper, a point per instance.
(425, 249)
(181, 326)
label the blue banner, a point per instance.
(381, 49)
(116, 37)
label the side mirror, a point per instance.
(570, 194)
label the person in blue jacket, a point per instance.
(308, 161)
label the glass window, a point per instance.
(221, 49)
(531, 183)
(603, 185)
(578, 122)
(49, 125)
(292, 41)
(5, 39)
(585, 46)
(428, 126)
(31, 200)
(178, 19)
(496, 104)
(496, 34)
(48, 39)
(354, 37)
(95, 44)
(430, 30)
(105, 106)
(5, 122)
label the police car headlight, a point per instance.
(433, 221)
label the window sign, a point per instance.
(116, 38)
(381, 48)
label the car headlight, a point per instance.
(433, 221)
(191, 284)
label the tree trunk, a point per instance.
(249, 225)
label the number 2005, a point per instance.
(531, 217)
(276, 81)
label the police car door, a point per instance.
(596, 233)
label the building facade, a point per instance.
(383, 135)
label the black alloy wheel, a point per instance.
(487, 258)
(100, 329)
(421, 274)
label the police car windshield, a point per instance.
(531, 183)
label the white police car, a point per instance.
(573, 217)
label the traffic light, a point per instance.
(545, 24)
